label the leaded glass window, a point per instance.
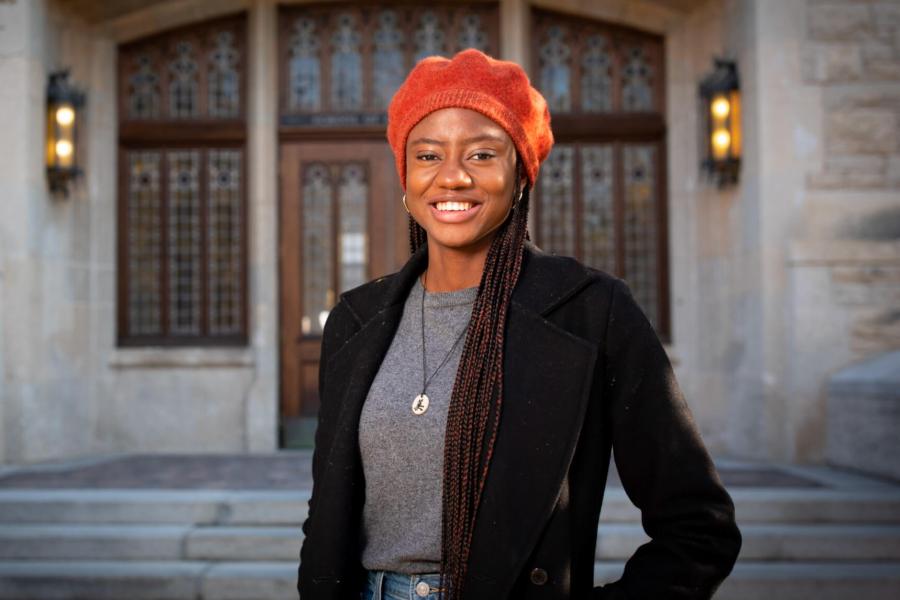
(601, 203)
(340, 65)
(557, 182)
(224, 77)
(191, 73)
(388, 58)
(184, 244)
(556, 73)
(225, 230)
(600, 195)
(142, 240)
(182, 240)
(144, 86)
(183, 81)
(335, 247)
(637, 80)
(598, 215)
(584, 66)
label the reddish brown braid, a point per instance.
(477, 397)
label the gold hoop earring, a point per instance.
(405, 206)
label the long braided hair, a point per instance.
(477, 397)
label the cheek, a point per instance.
(416, 181)
(500, 187)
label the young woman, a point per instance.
(470, 402)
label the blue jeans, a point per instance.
(391, 585)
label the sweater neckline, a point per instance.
(458, 297)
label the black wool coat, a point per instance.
(584, 376)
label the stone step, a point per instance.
(154, 507)
(289, 507)
(780, 542)
(111, 580)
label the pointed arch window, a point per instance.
(601, 195)
(182, 230)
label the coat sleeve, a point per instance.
(337, 329)
(665, 469)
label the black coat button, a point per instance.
(538, 576)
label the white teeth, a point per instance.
(454, 205)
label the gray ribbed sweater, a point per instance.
(403, 453)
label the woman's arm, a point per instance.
(665, 470)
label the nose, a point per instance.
(453, 174)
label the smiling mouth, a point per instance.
(453, 206)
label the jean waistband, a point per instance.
(406, 585)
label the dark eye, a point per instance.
(483, 155)
(429, 156)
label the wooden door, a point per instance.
(341, 224)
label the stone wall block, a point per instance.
(893, 171)
(833, 62)
(881, 59)
(854, 171)
(877, 49)
(873, 95)
(884, 70)
(870, 275)
(886, 16)
(876, 333)
(840, 21)
(864, 131)
(861, 295)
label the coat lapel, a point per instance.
(377, 308)
(547, 377)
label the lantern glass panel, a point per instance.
(735, 123)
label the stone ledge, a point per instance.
(831, 252)
(180, 358)
(880, 375)
(863, 415)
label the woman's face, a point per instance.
(460, 178)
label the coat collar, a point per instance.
(547, 377)
(546, 280)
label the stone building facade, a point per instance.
(773, 283)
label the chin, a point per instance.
(458, 242)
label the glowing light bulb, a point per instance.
(65, 115)
(720, 108)
(64, 148)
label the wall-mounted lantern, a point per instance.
(720, 101)
(64, 104)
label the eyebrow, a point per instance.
(484, 137)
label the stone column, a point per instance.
(261, 411)
(22, 190)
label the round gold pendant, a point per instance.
(420, 404)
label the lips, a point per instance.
(454, 211)
(451, 200)
(453, 205)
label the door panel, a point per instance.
(341, 224)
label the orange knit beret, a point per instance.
(498, 89)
